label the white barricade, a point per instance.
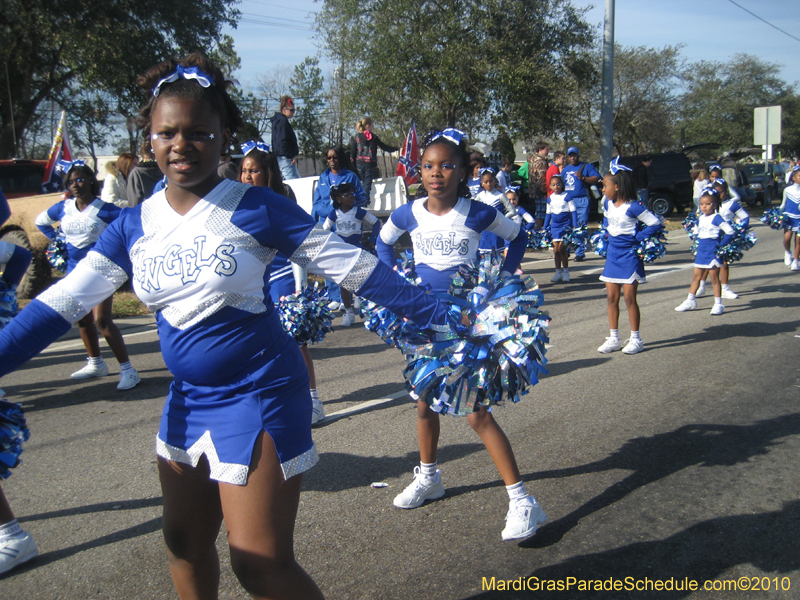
(387, 194)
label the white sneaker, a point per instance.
(787, 258)
(718, 309)
(556, 278)
(795, 266)
(128, 379)
(357, 303)
(565, 277)
(335, 305)
(610, 345)
(686, 305)
(317, 411)
(421, 489)
(91, 370)
(701, 291)
(15, 551)
(634, 346)
(348, 319)
(729, 294)
(523, 517)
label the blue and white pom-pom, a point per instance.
(57, 252)
(599, 241)
(540, 239)
(8, 303)
(775, 219)
(383, 321)
(305, 315)
(654, 247)
(743, 240)
(497, 357)
(13, 431)
(575, 237)
(690, 225)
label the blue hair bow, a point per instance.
(710, 190)
(512, 188)
(181, 72)
(63, 166)
(615, 167)
(485, 170)
(719, 180)
(451, 133)
(715, 168)
(248, 147)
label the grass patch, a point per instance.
(125, 304)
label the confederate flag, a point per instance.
(408, 167)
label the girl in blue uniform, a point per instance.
(260, 167)
(710, 225)
(560, 214)
(791, 207)
(445, 228)
(348, 220)
(490, 195)
(83, 218)
(624, 270)
(235, 433)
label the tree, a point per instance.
(455, 62)
(306, 87)
(49, 45)
(720, 97)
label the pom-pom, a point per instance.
(574, 237)
(57, 252)
(494, 358)
(777, 220)
(8, 303)
(690, 225)
(13, 431)
(654, 247)
(743, 240)
(305, 315)
(540, 239)
(599, 241)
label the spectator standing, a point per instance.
(642, 180)
(228, 169)
(578, 177)
(284, 141)
(115, 184)
(364, 154)
(143, 177)
(555, 168)
(504, 174)
(537, 182)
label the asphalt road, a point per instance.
(678, 463)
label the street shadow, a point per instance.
(318, 353)
(753, 329)
(661, 455)
(557, 367)
(369, 393)
(703, 552)
(121, 505)
(337, 471)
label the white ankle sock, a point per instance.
(634, 335)
(691, 297)
(614, 333)
(125, 366)
(96, 360)
(314, 395)
(12, 529)
(516, 491)
(428, 470)
(717, 300)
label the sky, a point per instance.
(281, 33)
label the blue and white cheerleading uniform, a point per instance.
(791, 205)
(560, 215)
(444, 242)
(350, 225)
(731, 209)
(622, 263)
(708, 232)
(81, 229)
(499, 201)
(205, 274)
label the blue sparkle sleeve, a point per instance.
(30, 332)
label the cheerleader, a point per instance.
(709, 225)
(348, 220)
(490, 195)
(560, 214)
(791, 208)
(623, 270)
(445, 228)
(235, 434)
(260, 167)
(83, 217)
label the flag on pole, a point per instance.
(61, 150)
(408, 167)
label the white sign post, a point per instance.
(767, 129)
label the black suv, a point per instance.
(670, 180)
(766, 186)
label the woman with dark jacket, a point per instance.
(284, 141)
(365, 153)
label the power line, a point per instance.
(277, 18)
(764, 20)
(273, 24)
(302, 10)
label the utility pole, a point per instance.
(607, 111)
